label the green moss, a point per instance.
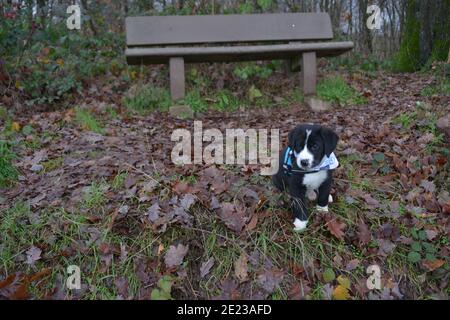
(408, 57)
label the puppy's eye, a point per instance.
(314, 146)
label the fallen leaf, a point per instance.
(341, 293)
(428, 186)
(205, 268)
(232, 217)
(252, 224)
(241, 267)
(122, 286)
(433, 265)
(15, 126)
(352, 264)
(153, 212)
(33, 255)
(343, 281)
(174, 256)
(299, 291)
(270, 279)
(431, 234)
(336, 228)
(364, 235)
(187, 201)
(9, 280)
(328, 275)
(372, 202)
(385, 246)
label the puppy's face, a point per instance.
(311, 143)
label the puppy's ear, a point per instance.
(330, 140)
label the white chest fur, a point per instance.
(314, 180)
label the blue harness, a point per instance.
(328, 163)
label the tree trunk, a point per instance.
(425, 36)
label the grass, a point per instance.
(94, 196)
(53, 164)
(443, 87)
(87, 121)
(56, 231)
(145, 98)
(8, 173)
(336, 90)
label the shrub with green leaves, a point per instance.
(147, 98)
(250, 69)
(51, 64)
(8, 173)
(195, 101)
(226, 101)
(336, 90)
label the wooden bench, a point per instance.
(177, 40)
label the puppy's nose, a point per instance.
(304, 163)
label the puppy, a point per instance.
(306, 167)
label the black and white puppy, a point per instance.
(306, 167)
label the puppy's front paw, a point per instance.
(300, 225)
(330, 198)
(323, 209)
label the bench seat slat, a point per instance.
(233, 28)
(139, 56)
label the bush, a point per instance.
(52, 63)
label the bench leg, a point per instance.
(308, 75)
(177, 84)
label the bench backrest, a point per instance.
(177, 30)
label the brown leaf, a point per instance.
(336, 228)
(241, 267)
(372, 202)
(188, 201)
(229, 290)
(352, 264)
(9, 280)
(270, 279)
(431, 234)
(364, 235)
(153, 212)
(181, 187)
(299, 291)
(33, 255)
(174, 256)
(428, 186)
(433, 265)
(252, 224)
(232, 217)
(122, 286)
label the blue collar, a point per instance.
(327, 163)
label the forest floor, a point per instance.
(139, 227)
